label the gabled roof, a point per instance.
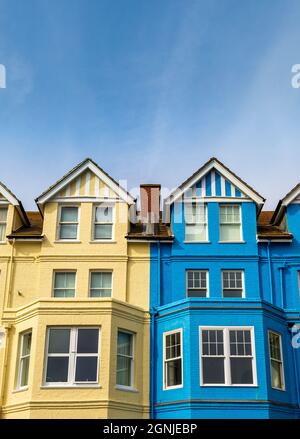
(76, 171)
(214, 163)
(289, 198)
(12, 199)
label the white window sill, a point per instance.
(67, 241)
(229, 385)
(232, 242)
(280, 390)
(173, 387)
(103, 241)
(21, 389)
(126, 389)
(72, 386)
(2, 242)
(197, 242)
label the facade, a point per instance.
(74, 297)
(110, 312)
(221, 337)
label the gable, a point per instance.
(214, 184)
(86, 181)
(213, 181)
(86, 184)
(7, 197)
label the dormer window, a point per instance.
(195, 222)
(3, 220)
(103, 223)
(68, 223)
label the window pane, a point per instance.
(69, 214)
(103, 231)
(276, 374)
(57, 369)
(86, 369)
(123, 371)
(213, 370)
(195, 232)
(87, 342)
(26, 344)
(24, 371)
(59, 341)
(232, 293)
(103, 214)
(65, 280)
(230, 232)
(124, 343)
(100, 293)
(2, 232)
(241, 371)
(101, 280)
(173, 373)
(196, 293)
(68, 231)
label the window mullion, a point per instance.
(227, 357)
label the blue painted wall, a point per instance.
(272, 301)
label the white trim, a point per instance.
(226, 355)
(271, 331)
(78, 182)
(20, 358)
(87, 183)
(224, 200)
(177, 193)
(83, 199)
(87, 165)
(9, 197)
(213, 183)
(165, 334)
(72, 356)
(236, 223)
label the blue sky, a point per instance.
(150, 90)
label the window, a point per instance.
(125, 359)
(64, 284)
(103, 222)
(195, 222)
(24, 360)
(68, 224)
(100, 284)
(3, 218)
(173, 359)
(230, 223)
(72, 356)
(233, 281)
(275, 349)
(227, 357)
(197, 284)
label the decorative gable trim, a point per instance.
(229, 185)
(7, 197)
(74, 174)
(293, 196)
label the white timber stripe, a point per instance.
(87, 183)
(223, 193)
(78, 186)
(232, 187)
(97, 186)
(213, 183)
(203, 187)
(106, 191)
(68, 190)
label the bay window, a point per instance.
(125, 358)
(227, 356)
(72, 356)
(24, 359)
(276, 362)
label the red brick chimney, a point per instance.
(150, 203)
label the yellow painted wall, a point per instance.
(26, 302)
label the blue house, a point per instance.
(224, 298)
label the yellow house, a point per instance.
(74, 301)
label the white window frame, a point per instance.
(205, 223)
(53, 283)
(240, 223)
(207, 283)
(72, 355)
(113, 207)
(132, 357)
(4, 207)
(21, 358)
(90, 283)
(58, 238)
(226, 341)
(243, 283)
(270, 331)
(165, 334)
